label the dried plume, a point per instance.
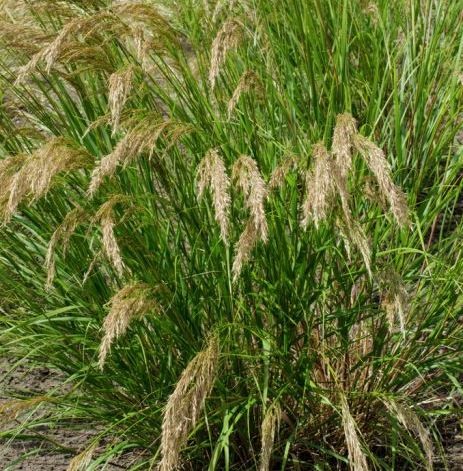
(278, 176)
(105, 216)
(269, 426)
(133, 301)
(319, 187)
(62, 235)
(249, 81)
(228, 38)
(243, 249)
(185, 404)
(120, 86)
(394, 299)
(344, 131)
(248, 178)
(212, 173)
(10, 410)
(35, 176)
(357, 458)
(410, 420)
(142, 138)
(81, 461)
(379, 166)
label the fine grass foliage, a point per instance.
(235, 228)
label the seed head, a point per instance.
(212, 172)
(248, 81)
(379, 166)
(185, 404)
(247, 176)
(81, 461)
(394, 299)
(344, 131)
(243, 248)
(132, 302)
(279, 174)
(269, 426)
(120, 86)
(228, 37)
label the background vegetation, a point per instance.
(235, 227)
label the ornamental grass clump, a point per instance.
(235, 229)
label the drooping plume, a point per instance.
(185, 404)
(269, 426)
(344, 131)
(249, 81)
(62, 235)
(228, 38)
(212, 173)
(278, 176)
(319, 187)
(394, 299)
(120, 86)
(133, 301)
(379, 166)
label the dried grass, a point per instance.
(269, 426)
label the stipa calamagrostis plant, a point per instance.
(185, 404)
(62, 235)
(228, 38)
(212, 173)
(133, 301)
(268, 429)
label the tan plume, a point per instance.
(131, 302)
(278, 176)
(228, 38)
(81, 461)
(120, 86)
(269, 426)
(344, 131)
(212, 173)
(249, 81)
(357, 458)
(379, 166)
(243, 248)
(185, 404)
(62, 235)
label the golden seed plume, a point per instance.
(212, 172)
(81, 461)
(344, 131)
(357, 459)
(185, 404)
(379, 166)
(62, 234)
(243, 248)
(269, 426)
(319, 187)
(35, 176)
(120, 86)
(105, 216)
(410, 420)
(10, 410)
(247, 176)
(140, 139)
(280, 172)
(394, 300)
(228, 37)
(131, 302)
(249, 81)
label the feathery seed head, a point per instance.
(212, 172)
(247, 176)
(280, 172)
(344, 131)
(394, 299)
(120, 85)
(185, 404)
(81, 461)
(228, 37)
(379, 166)
(62, 234)
(243, 248)
(319, 187)
(269, 426)
(357, 457)
(131, 302)
(247, 82)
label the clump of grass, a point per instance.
(235, 226)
